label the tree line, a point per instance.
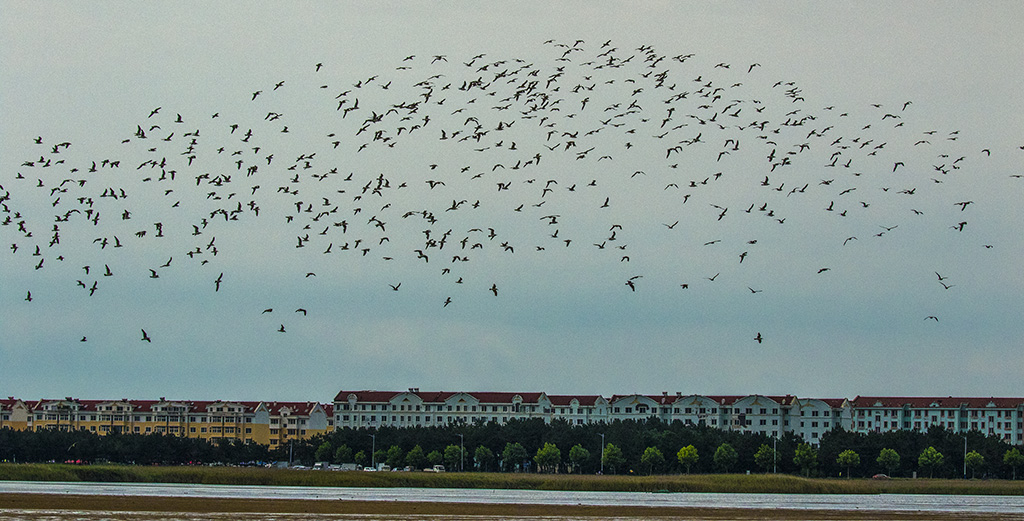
(620, 447)
(653, 446)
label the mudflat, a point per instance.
(140, 504)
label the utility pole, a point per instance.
(602, 453)
(775, 455)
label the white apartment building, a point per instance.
(767, 415)
(1002, 417)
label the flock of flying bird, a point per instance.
(586, 156)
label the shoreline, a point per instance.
(160, 504)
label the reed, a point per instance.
(736, 483)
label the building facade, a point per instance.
(266, 423)
(277, 423)
(1002, 417)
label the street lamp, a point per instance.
(775, 455)
(602, 453)
(965, 455)
(462, 450)
(373, 450)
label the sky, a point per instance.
(278, 202)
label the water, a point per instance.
(1002, 506)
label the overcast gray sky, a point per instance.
(763, 155)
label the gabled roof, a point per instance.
(9, 403)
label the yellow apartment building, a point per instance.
(265, 423)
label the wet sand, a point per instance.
(51, 502)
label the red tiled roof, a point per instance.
(501, 397)
(948, 402)
(366, 396)
(8, 403)
(566, 399)
(438, 396)
(296, 408)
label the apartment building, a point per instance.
(13, 414)
(768, 415)
(277, 423)
(1002, 417)
(266, 423)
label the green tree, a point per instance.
(578, 456)
(889, 459)
(1013, 458)
(930, 458)
(548, 457)
(513, 455)
(652, 458)
(453, 457)
(483, 457)
(435, 457)
(765, 457)
(361, 458)
(395, 456)
(687, 457)
(848, 459)
(323, 452)
(343, 454)
(613, 457)
(974, 461)
(806, 457)
(416, 458)
(725, 457)
(379, 457)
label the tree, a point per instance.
(1014, 459)
(395, 456)
(343, 454)
(577, 456)
(415, 458)
(930, 458)
(323, 452)
(513, 455)
(435, 457)
(848, 459)
(548, 457)
(483, 457)
(361, 458)
(889, 459)
(805, 457)
(613, 457)
(652, 457)
(725, 457)
(379, 457)
(687, 457)
(974, 461)
(452, 457)
(765, 457)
